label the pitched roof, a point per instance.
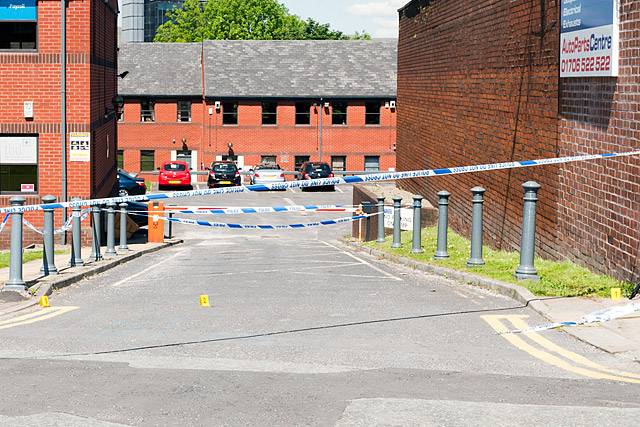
(262, 68)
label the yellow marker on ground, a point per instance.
(44, 301)
(616, 294)
(204, 301)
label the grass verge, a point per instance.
(29, 255)
(563, 279)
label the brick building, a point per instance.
(478, 82)
(30, 99)
(282, 101)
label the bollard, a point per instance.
(76, 236)
(367, 208)
(16, 282)
(417, 225)
(397, 243)
(96, 229)
(123, 228)
(526, 269)
(48, 261)
(476, 228)
(380, 220)
(111, 231)
(170, 225)
(443, 224)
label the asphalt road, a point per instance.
(299, 332)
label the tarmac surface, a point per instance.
(300, 331)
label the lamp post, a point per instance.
(63, 109)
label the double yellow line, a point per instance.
(552, 353)
(36, 316)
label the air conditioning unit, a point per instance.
(392, 105)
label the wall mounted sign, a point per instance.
(589, 38)
(18, 150)
(80, 146)
(18, 10)
(27, 188)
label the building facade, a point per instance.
(478, 82)
(282, 101)
(31, 142)
(141, 18)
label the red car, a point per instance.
(174, 174)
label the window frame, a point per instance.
(273, 114)
(233, 115)
(182, 110)
(344, 114)
(377, 158)
(297, 165)
(153, 154)
(145, 112)
(303, 113)
(120, 159)
(344, 163)
(36, 38)
(273, 156)
(36, 165)
(368, 115)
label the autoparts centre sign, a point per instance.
(589, 38)
(18, 10)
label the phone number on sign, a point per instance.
(586, 65)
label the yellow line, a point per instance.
(521, 324)
(38, 316)
(516, 341)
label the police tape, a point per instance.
(4, 222)
(65, 227)
(356, 179)
(600, 316)
(209, 210)
(263, 227)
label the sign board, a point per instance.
(80, 146)
(28, 188)
(589, 38)
(406, 218)
(18, 150)
(18, 10)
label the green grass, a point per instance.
(564, 279)
(29, 255)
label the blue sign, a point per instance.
(583, 14)
(18, 10)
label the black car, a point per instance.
(223, 174)
(315, 170)
(129, 185)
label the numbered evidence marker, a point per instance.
(616, 294)
(44, 301)
(204, 301)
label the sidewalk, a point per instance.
(40, 285)
(620, 336)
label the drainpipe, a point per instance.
(320, 144)
(63, 104)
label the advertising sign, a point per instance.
(18, 150)
(80, 147)
(18, 10)
(589, 38)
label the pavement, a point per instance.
(300, 331)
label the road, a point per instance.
(299, 332)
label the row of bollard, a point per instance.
(526, 268)
(16, 281)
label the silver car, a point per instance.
(266, 174)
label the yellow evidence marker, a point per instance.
(616, 294)
(204, 301)
(44, 301)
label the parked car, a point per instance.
(174, 174)
(315, 170)
(266, 173)
(129, 185)
(223, 174)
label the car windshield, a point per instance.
(267, 167)
(175, 167)
(224, 167)
(318, 167)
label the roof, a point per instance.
(262, 68)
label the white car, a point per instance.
(266, 174)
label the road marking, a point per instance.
(140, 273)
(339, 189)
(549, 358)
(361, 261)
(36, 316)
(289, 201)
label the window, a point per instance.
(372, 163)
(372, 113)
(184, 111)
(299, 160)
(18, 35)
(18, 164)
(303, 113)
(120, 159)
(339, 163)
(229, 113)
(147, 112)
(269, 113)
(147, 160)
(267, 159)
(339, 114)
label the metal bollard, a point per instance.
(397, 243)
(111, 231)
(443, 225)
(367, 208)
(48, 253)
(526, 269)
(476, 228)
(380, 220)
(76, 236)
(96, 229)
(123, 228)
(417, 225)
(170, 225)
(16, 282)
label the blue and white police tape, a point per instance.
(263, 227)
(211, 210)
(4, 222)
(65, 227)
(384, 176)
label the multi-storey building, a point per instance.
(141, 18)
(283, 101)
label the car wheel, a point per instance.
(123, 192)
